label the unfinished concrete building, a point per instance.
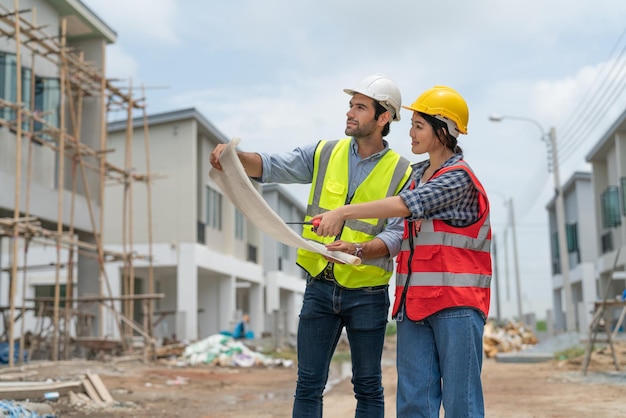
(54, 97)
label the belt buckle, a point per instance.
(327, 274)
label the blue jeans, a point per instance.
(327, 308)
(439, 361)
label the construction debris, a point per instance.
(222, 350)
(510, 338)
(26, 410)
(91, 384)
(170, 350)
(35, 390)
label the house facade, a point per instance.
(285, 282)
(608, 162)
(210, 263)
(582, 250)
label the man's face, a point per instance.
(361, 122)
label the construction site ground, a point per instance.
(555, 388)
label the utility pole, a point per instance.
(508, 203)
(518, 286)
(550, 138)
(570, 318)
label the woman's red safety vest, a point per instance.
(442, 266)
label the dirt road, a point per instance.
(516, 390)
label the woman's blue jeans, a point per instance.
(326, 309)
(439, 362)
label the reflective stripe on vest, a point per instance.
(330, 190)
(450, 266)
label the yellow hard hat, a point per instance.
(445, 104)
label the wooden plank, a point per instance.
(100, 387)
(35, 390)
(91, 391)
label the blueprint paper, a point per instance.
(237, 186)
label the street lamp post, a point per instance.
(518, 286)
(560, 215)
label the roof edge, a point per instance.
(90, 17)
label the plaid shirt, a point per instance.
(450, 197)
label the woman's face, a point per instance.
(423, 138)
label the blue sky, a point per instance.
(271, 72)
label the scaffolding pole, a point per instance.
(77, 80)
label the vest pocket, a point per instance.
(424, 292)
(335, 187)
(426, 253)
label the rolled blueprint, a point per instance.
(237, 186)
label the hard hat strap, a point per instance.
(452, 128)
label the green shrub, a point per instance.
(569, 353)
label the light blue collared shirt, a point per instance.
(297, 167)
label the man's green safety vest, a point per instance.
(329, 190)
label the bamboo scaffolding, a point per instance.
(77, 79)
(18, 179)
(29, 170)
(146, 143)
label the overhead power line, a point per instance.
(607, 87)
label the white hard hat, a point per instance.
(382, 89)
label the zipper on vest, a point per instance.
(412, 227)
(348, 200)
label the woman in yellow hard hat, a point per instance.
(443, 270)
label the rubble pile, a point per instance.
(508, 338)
(222, 350)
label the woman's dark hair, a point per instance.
(441, 130)
(379, 110)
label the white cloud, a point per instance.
(121, 64)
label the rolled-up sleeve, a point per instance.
(451, 197)
(392, 235)
(288, 167)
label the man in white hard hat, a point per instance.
(356, 169)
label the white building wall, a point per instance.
(186, 297)
(173, 205)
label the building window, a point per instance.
(571, 231)
(572, 237)
(283, 255)
(607, 242)
(47, 101)
(623, 182)
(200, 232)
(610, 207)
(213, 209)
(556, 261)
(47, 291)
(239, 224)
(252, 253)
(8, 86)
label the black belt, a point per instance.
(326, 274)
